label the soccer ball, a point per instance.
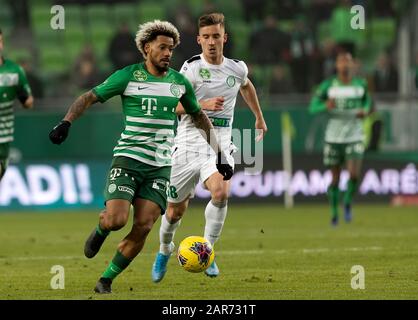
(195, 254)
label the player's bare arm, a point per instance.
(82, 103)
(212, 104)
(28, 104)
(202, 122)
(60, 132)
(249, 94)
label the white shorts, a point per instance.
(188, 168)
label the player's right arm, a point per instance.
(112, 86)
(320, 101)
(202, 122)
(23, 91)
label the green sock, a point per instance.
(333, 196)
(101, 231)
(351, 190)
(118, 264)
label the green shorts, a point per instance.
(338, 153)
(129, 179)
(4, 156)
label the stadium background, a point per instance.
(289, 47)
(51, 195)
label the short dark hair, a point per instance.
(211, 19)
(1, 32)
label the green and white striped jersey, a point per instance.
(149, 105)
(343, 125)
(12, 77)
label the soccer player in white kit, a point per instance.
(216, 81)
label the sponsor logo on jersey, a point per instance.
(204, 73)
(230, 81)
(175, 90)
(111, 188)
(140, 75)
(160, 185)
(126, 189)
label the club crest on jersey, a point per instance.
(204, 73)
(140, 75)
(230, 81)
(175, 90)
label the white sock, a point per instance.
(215, 218)
(167, 231)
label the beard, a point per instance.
(159, 66)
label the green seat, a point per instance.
(124, 13)
(40, 17)
(149, 11)
(98, 12)
(239, 34)
(383, 32)
(52, 60)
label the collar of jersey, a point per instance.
(214, 66)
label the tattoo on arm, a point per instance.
(202, 122)
(80, 104)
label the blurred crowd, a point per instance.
(280, 60)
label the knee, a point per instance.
(114, 219)
(219, 195)
(175, 212)
(142, 229)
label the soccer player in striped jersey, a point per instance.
(346, 100)
(217, 81)
(140, 171)
(13, 84)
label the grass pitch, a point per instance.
(265, 252)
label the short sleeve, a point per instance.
(244, 73)
(114, 85)
(188, 100)
(23, 81)
(187, 71)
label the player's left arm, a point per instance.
(249, 94)
(23, 91)
(366, 103)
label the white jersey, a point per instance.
(209, 81)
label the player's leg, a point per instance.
(3, 167)
(113, 218)
(4, 158)
(216, 209)
(170, 221)
(334, 194)
(333, 159)
(354, 162)
(183, 179)
(118, 194)
(146, 212)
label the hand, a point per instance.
(330, 104)
(213, 104)
(223, 167)
(361, 114)
(60, 132)
(261, 128)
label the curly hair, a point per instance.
(149, 31)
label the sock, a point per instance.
(333, 195)
(351, 190)
(167, 231)
(116, 266)
(101, 231)
(215, 218)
